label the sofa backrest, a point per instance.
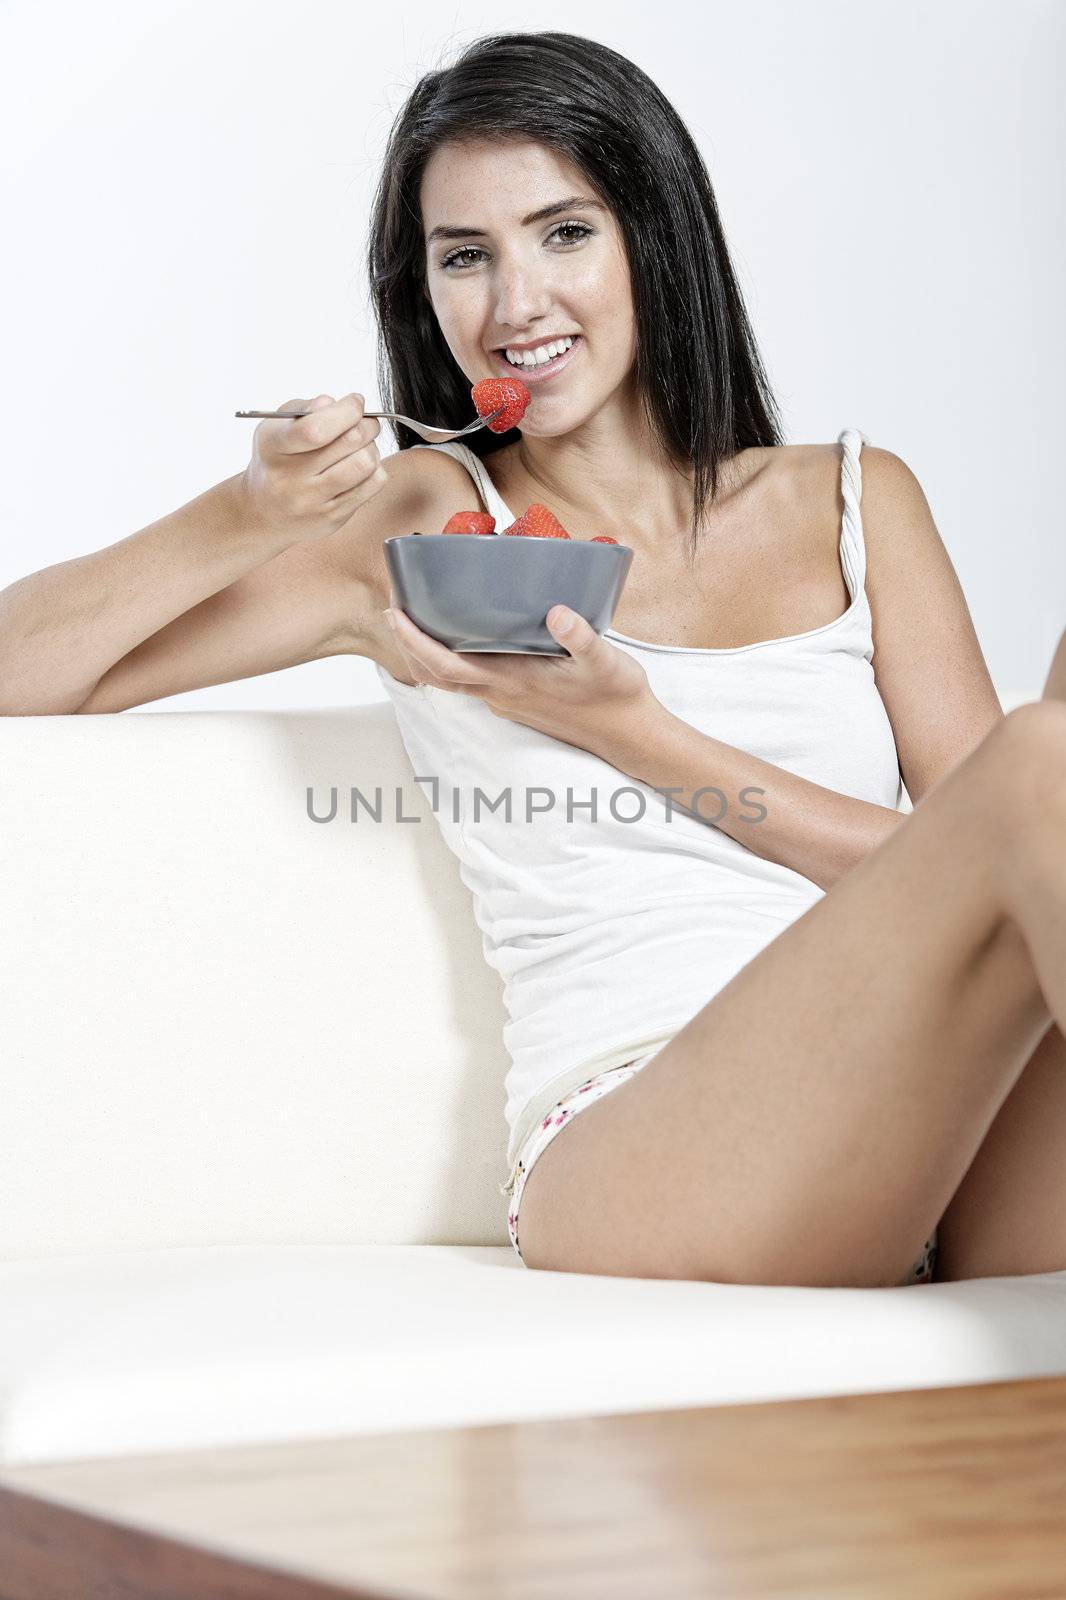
(222, 1021)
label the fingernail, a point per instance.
(387, 614)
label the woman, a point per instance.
(777, 1038)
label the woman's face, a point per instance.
(502, 276)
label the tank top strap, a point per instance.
(852, 540)
(490, 496)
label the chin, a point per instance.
(557, 427)
(547, 430)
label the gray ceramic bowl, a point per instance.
(492, 591)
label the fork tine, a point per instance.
(435, 435)
(483, 422)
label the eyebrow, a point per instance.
(574, 202)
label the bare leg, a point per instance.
(1037, 877)
(811, 1123)
(1055, 687)
(1008, 1215)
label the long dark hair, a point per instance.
(698, 368)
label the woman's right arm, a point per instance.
(211, 572)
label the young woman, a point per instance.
(787, 1035)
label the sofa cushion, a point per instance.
(130, 1353)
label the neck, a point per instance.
(611, 475)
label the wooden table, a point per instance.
(957, 1494)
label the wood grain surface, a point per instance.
(928, 1494)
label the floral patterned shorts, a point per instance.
(587, 1094)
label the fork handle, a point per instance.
(283, 416)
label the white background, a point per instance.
(185, 197)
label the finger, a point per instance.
(427, 677)
(353, 470)
(571, 629)
(352, 442)
(435, 657)
(327, 419)
(283, 437)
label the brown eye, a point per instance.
(455, 259)
(577, 231)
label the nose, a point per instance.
(522, 297)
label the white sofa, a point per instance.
(230, 1040)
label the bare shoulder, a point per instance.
(420, 486)
(422, 489)
(888, 484)
(808, 478)
(802, 486)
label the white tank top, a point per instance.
(610, 934)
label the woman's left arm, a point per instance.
(928, 664)
(598, 698)
(930, 673)
(815, 831)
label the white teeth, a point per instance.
(538, 357)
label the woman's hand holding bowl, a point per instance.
(594, 697)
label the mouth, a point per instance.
(543, 369)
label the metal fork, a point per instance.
(425, 430)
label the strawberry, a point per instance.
(470, 522)
(537, 522)
(602, 538)
(492, 393)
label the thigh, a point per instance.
(1008, 1215)
(811, 1123)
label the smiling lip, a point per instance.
(543, 373)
